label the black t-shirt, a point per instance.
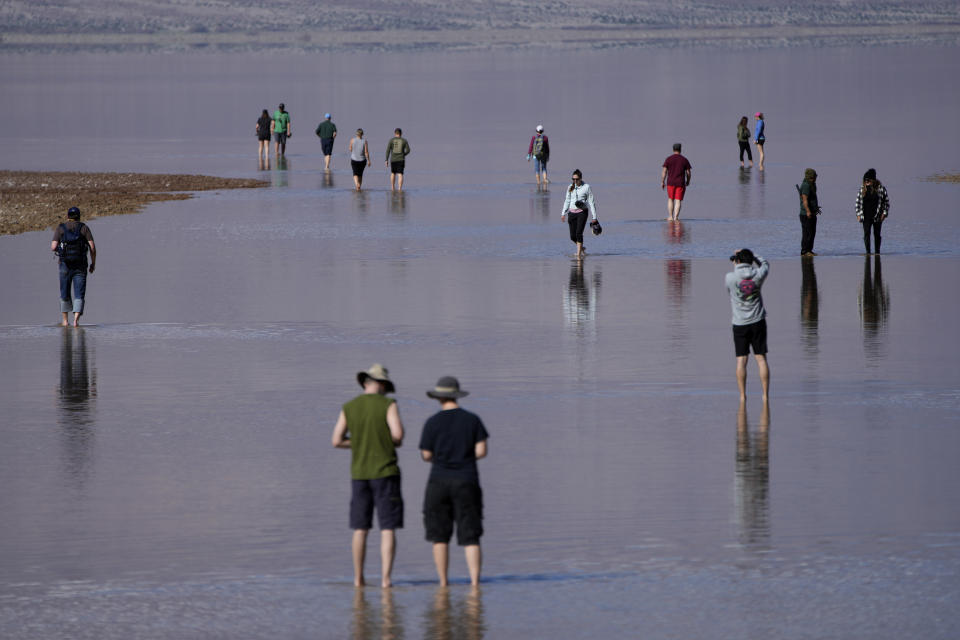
(451, 435)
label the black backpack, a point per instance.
(73, 246)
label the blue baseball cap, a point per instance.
(326, 115)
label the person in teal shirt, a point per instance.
(281, 129)
(370, 426)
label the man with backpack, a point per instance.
(749, 316)
(539, 150)
(71, 241)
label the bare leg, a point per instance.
(760, 159)
(356, 182)
(393, 179)
(669, 209)
(676, 209)
(400, 182)
(441, 558)
(545, 180)
(580, 250)
(474, 560)
(388, 551)
(764, 375)
(76, 319)
(742, 376)
(65, 321)
(326, 162)
(359, 555)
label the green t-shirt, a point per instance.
(397, 149)
(326, 129)
(810, 190)
(373, 454)
(281, 119)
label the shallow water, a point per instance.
(166, 470)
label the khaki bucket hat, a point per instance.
(379, 373)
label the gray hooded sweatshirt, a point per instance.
(744, 284)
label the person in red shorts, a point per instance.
(675, 178)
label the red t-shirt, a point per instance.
(677, 167)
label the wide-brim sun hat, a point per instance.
(447, 388)
(379, 373)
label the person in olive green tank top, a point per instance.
(370, 426)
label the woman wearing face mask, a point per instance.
(578, 205)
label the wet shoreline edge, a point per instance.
(37, 200)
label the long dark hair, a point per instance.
(576, 172)
(265, 113)
(743, 121)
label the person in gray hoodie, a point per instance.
(749, 316)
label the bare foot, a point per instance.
(359, 582)
(386, 584)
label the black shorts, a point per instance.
(384, 493)
(327, 145)
(358, 166)
(396, 167)
(753, 335)
(453, 500)
(280, 137)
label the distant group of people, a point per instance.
(278, 126)
(452, 441)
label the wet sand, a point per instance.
(37, 200)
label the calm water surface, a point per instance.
(166, 470)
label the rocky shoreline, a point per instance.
(37, 200)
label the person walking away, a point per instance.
(327, 132)
(743, 139)
(578, 205)
(675, 177)
(452, 441)
(71, 242)
(809, 210)
(370, 426)
(263, 134)
(539, 150)
(359, 158)
(759, 137)
(397, 151)
(749, 317)
(281, 129)
(873, 207)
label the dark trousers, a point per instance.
(876, 224)
(577, 222)
(745, 146)
(809, 229)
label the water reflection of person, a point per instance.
(809, 308)
(752, 477)
(464, 621)
(540, 204)
(279, 177)
(397, 201)
(678, 282)
(874, 304)
(327, 182)
(364, 625)
(76, 395)
(580, 299)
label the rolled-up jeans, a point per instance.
(77, 277)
